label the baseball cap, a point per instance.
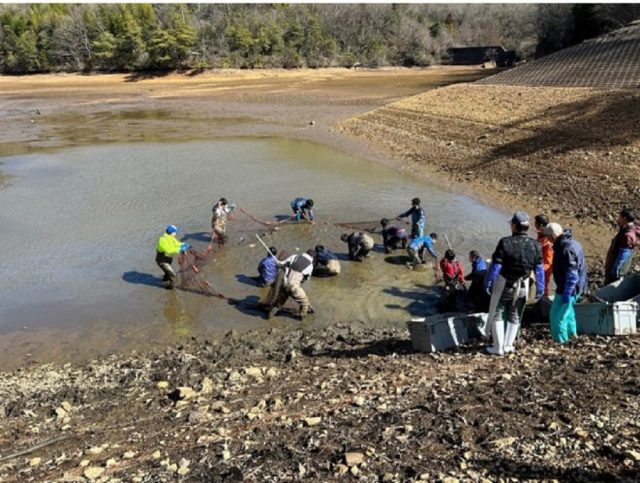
(552, 229)
(520, 218)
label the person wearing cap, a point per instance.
(220, 210)
(620, 253)
(325, 263)
(303, 209)
(540, 222)
(570, 276)
(512, 263)
(393, 235)
(268, 268)
(418, 218)
(168, 246)
(360, 244)
(417, 248)
(297, 270)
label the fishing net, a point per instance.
(191, 280)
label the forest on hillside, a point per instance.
(131, 37)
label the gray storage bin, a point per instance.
(607, 318)
(443, 331)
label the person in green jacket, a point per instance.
(168, 245)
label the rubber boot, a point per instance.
(510, 338)
(497, 330)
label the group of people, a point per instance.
(500, 287)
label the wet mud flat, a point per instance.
(345, 402)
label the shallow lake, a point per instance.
(79, 228)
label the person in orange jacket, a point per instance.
(541, 222)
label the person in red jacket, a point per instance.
(453, 277)
(541, 222)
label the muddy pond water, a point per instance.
(79, 228)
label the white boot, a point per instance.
(497, 330)
(510, 339)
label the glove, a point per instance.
(623, 257)
(232, 207)
(184, 247)
(492, 274)
(539, 281)
(566, 299)
(570, 286)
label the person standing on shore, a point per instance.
(418, 218)
(540, 222)
(168, 246)
(393, 235)
(570, 276)
(620, 251)
(507, 281)
(219, 219)
(303, 209)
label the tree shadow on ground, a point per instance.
(603, 120)
(140, 278)
(506, 468)
(146, 75)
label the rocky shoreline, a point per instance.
(338, 403)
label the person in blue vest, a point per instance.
(418, 218)
(268, 268)
(303, 209)
(570, 276)
(417, 248)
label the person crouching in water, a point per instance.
(393, 235)
(168, 246)
(325, 263)
(296, 270)
(268, 268)
(219, 219)
(303, 209)
(418, 246)
(507, 281)
(360, 244)
(453, 278)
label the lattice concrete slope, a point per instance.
(610, 61)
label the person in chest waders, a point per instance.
(167, 246)
(220, 211)
(295, 271)
(507, 281)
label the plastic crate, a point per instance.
(607, 318)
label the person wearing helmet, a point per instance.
(393, 235)
(220, 210)
(418, 218)
(360, 244)
(168, 246)
(303, 209)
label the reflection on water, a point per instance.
(80, 227)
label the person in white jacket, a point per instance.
(297, 270)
